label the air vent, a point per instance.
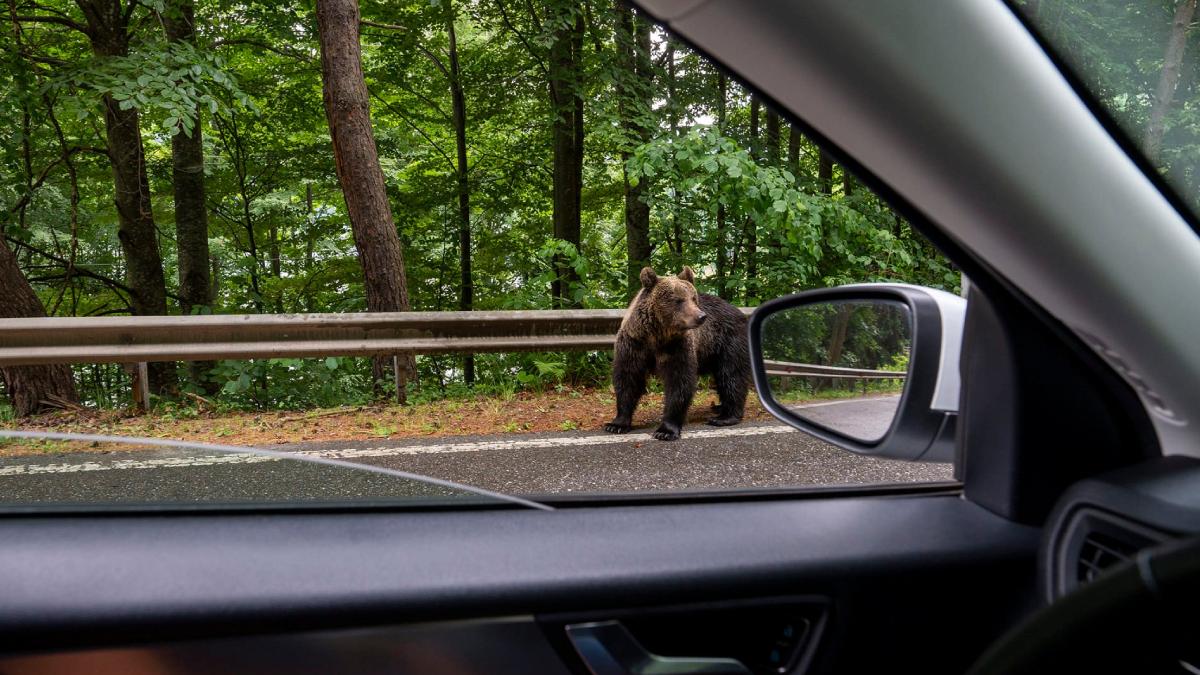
(1099, 552)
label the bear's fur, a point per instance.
(672, 331)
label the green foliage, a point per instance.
(293, 383)
(280, 237)
(174, 81)
(806, 238)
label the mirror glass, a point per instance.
(841, 365)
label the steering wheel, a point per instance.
(1142, 617)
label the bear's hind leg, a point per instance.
(732, 389)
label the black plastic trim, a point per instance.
(1158, 498)
(575, 500)
(915, 426)
(73, 582)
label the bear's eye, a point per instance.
(679, 301)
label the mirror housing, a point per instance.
(924, 423)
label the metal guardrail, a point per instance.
(138, 339)
(786, 369)
(142, 339)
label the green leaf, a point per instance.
(780, 205)
(331, 363)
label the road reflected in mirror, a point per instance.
(841, 365)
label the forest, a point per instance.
(181, 157)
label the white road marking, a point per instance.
(164, 463)
(380, 451)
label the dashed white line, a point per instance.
(529, 443)
(380, 451)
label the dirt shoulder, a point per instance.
(521, 413)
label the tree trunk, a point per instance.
(847, 182)
(29, 388)
(466, 288)
(824, 173)
(567, 133)
(773, 137)
(108, 31)
(1165, 92)
(635, 102)
(191, 211)
(751, 226)
(356, 159)
(837, 337)
(793, 156)
(722, 237)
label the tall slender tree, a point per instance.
(466, 287)
(356, 158)
(722, 235)
(109, 30)
(793, 151)
(635, 100)
(773, 137)
(824, 172)
(752, 226)
(1168, 80)
(191, 210)
(565, 74)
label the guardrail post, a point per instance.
(401, 380)
(141, 387)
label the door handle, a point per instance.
(608, 648)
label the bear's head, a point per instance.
(672, 301)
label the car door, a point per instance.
(843, 579)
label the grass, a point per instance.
(557, 410)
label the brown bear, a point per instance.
(674, 332)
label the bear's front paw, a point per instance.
(615, 427)
(724, 421)
(666, 433)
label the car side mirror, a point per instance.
(872, 368)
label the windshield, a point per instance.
(394, 249)
(1139, 59)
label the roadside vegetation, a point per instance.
(460, 412)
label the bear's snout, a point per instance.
(700, 318)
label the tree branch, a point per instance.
(81, 271)
(291, 54)
(528, 47)
(41, 179)
(416, 128)
(59, 20)
(388, 26)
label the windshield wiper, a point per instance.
(276, 454)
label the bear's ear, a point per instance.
(687, 275)
(649, 278)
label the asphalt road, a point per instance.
(866, 419)
(586, 461)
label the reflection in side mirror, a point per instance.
(840, 364)
(872, 368)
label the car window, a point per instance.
(236, 193)
(1140, 61)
